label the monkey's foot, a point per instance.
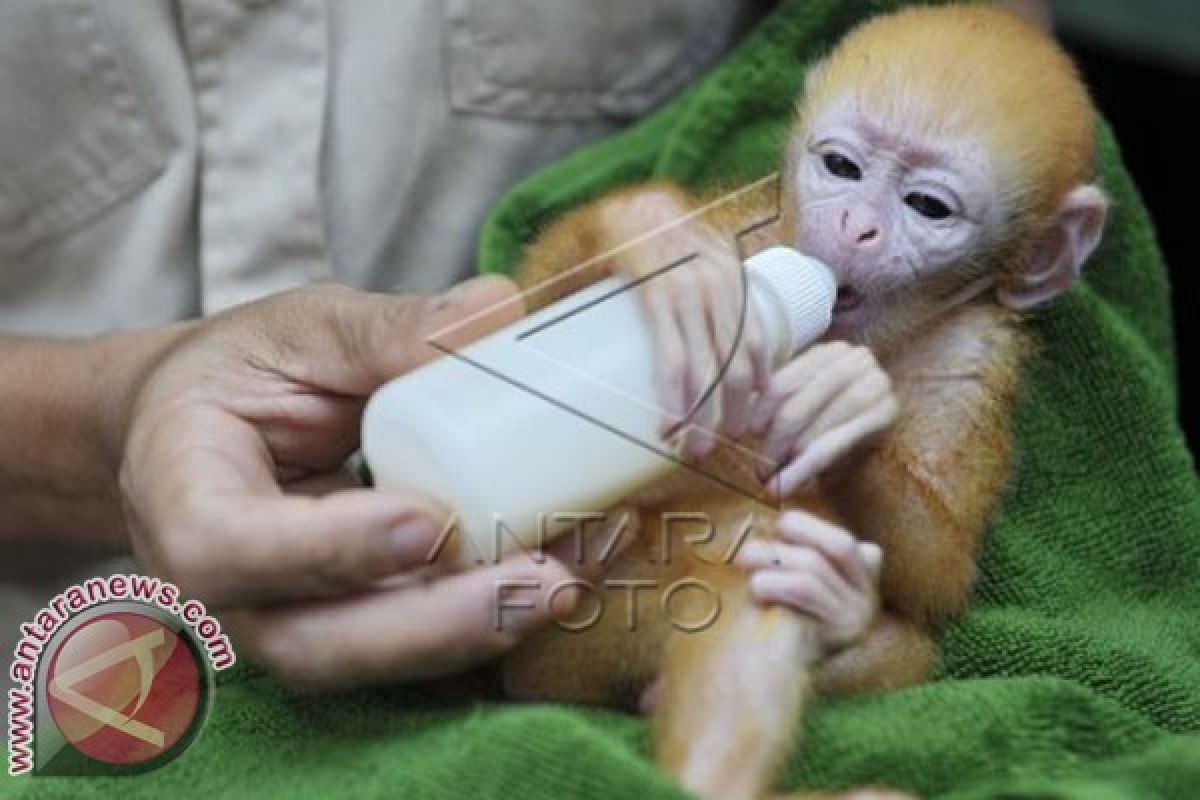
(852, 794)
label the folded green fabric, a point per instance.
(1075, 675)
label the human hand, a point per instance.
(710, 356)
(820, 406)
(820, 569)
(427, 623)
(233, 485)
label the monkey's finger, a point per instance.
(872, 556)
(840, 547)
(841, 593)
(702, 399)
(409, 632)
(830, 447)
(859, 397)
(800, 591)
(756, 343)
(734, 364)
(798, 413)
(716, 279)
(670, 359)
(737, 390)
(796, 376)
(799, 559)
(844, 612)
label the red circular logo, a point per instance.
(123, 687)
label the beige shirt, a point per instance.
(161, 160)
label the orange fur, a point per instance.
(979, 73)
(732, 696)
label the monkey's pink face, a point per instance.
(886, 209)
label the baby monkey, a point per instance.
(941, 165)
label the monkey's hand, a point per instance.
(710, 358)
(820, 406)
(820, 569)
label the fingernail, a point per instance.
(497, 292)
(564, 603)
(413, 542)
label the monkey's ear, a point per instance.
(1059, 257)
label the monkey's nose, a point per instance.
(860, 229)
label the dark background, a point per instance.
(1152, 106)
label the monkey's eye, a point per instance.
(927, 206)
(842, 167)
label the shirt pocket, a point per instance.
(74, 138)
(579, 59)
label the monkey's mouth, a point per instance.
(848, 299)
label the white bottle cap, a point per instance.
(804, 288)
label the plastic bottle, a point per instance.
(557, 413)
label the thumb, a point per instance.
(243, 548)
(378, 336)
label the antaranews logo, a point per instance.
(114, 676)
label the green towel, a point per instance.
(1076, 673)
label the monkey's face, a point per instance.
(898, 212)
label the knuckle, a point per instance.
(395, 314)
(790, 416)
(184, 556)
(331, 565)
(858, 395)
(803, 588)
(861, 354)
(809, 562)
(865, 355)
(776, 393)
(838, 348)
(711, 274)
(843, 547)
